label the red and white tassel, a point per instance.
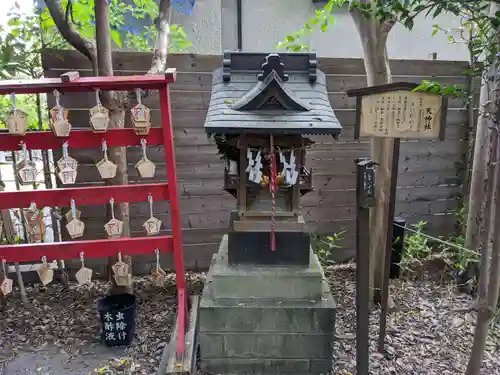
(273, 187)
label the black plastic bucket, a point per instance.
(117, 314)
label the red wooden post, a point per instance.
(168, 136)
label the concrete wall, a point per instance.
(213, 28)
(267, 22)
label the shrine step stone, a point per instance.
(252, 321)
(266, 336)
(259, 281)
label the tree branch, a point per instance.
(160, 50)
(83, 45)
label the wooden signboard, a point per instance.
(392, 111)
(395, 111)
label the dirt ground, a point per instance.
(429, 332)
(60, 332)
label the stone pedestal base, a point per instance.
(250, 242)
(265, 319)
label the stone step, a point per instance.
(252, 281)
(274, 366)
(267, 315)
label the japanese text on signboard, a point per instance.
(401, 114)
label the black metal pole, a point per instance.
(239, 20)
(364, 199)
(388, 245)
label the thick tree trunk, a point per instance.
(477, 196)
(486, 228)
(100, 55)
(488, 299)
(117, 155)
(373, 36)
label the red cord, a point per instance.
(273, 188)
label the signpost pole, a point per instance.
(388, 246)
(365, 198)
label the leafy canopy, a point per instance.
(81, 15)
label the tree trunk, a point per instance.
(488, 298)
(100, 55)
(486, 228)
(477, 196)
(117, 155)
(373, 36)
(10, 236)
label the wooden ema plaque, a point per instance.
(34, 225)
(59, 121)
(394, 111)
(17, 122)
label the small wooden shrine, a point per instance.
(265, 283)
(262, 109)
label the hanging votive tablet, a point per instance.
(34, 223)
(158, 275)
(17, 121)
(84, 275)
(107, 169)
(69, 215)
(67, 167)
(141, 116)
(45, 272)
(75, 227)
(6, 285)
(99, 116)
(27, 172)
(121, 272)
(152, 225)
(59, 119)
(145, 167)
(114, 227)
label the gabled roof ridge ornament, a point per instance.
(271, 87)
(273, 63)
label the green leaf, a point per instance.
(329, 6)
(115, 35)
(408, 23)
(435, 29)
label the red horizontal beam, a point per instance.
(84, 196)
(86, 84)
(91, 249)
(79, 139)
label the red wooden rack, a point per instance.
(100, 195)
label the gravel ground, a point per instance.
(59, 333)
(429, 331)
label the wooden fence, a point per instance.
(430, 174)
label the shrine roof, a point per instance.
(259, 93)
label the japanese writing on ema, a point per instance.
(114, 327)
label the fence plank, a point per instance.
(429, 174)
(188, 62)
